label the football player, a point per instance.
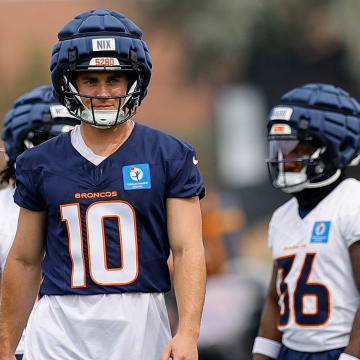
(103, 218)
(35, 117)
(311, 308)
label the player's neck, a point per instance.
(104, 142)
(309, 198)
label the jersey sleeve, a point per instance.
(270, 237)
(184, 178)
(5, 245)
(349, 217)
(27, 192)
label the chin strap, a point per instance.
(309, 185)
(325, 182)
(328, 181)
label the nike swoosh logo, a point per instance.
(195, 161)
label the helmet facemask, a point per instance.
(55, 121)
(127, 103)
(46, 132)
(298, 162)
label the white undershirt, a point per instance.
(80, 146)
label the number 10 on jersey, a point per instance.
(99, 272)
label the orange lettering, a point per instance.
(91, 195)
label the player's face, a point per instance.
(302, 150)
(104, 83)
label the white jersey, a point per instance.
(8, 223)
(9, 212)
(318, 295)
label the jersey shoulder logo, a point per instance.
(320, 233)
(136, 177)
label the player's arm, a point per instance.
(353, 348)
(21, 279)
(269, 337)
(185, 236)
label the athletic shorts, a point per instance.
(288, 354)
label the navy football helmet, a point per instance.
(313, 134)
(34, 118)
(100, 40)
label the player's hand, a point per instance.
(181, 347)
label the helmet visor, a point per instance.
(288, 161)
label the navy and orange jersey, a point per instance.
(106, 225)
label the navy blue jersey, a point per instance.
(106, 229)
(288, 354)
